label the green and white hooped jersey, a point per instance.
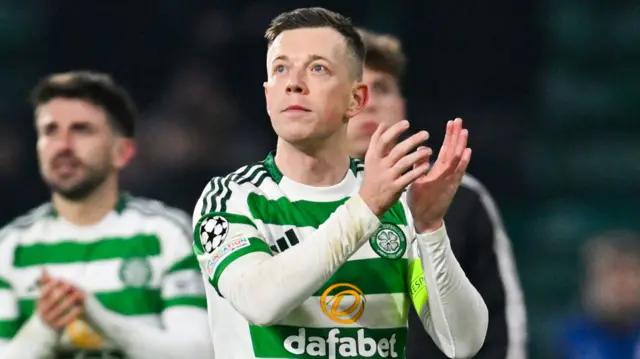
(137, 261)
(361, 312)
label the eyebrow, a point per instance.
(310, 58)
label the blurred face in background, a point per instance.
(385, 105)
(311, 90)
(77, 147)
(614, 287)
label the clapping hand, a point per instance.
(59, 303)
(430, 195)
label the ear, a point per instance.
(125, 150)
(359, 99)
(266, 96)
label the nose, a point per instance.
(63, 142)
(294, 88)
(297, 84)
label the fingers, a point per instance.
(71, 315)
(465, 159)
(375, 138)
(451, 140)
(411, 176)
(461, 145)
(416, 158)
(44, 278)
(58, 303)
(425, 159)
(62, 308)
(406, 146)
(387, 139)
(442, 155)
(50, 295)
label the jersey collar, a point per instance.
(269, 164)
(121, 204)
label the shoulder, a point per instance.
(232, 189)
(471, 188)
(169, 225)
(161, 214)
(15, 231)
(472, 191)
(26, 221)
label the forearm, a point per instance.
(185, 336)
(35, 340)
(456, 313)
(264, 288)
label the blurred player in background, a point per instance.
(96, 273)
(310, 253)
(609, 325)
(477, 235)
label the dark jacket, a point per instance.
(481, 245)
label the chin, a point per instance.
(294, 132)
(296, 138)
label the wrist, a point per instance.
(38, 323)
(428, 227)
(373, 207)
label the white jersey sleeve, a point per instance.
(452, 311)
(9, 311)
(236, 259)
(224, 229)
(20, 338)
(182, 284)
(184, 330)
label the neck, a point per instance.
(91, 209)
(359, 156)
(321, 166)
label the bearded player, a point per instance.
(96, 273)
(312, 254)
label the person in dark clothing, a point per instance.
(608, 326)
(478, 237)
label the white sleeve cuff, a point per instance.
(35, 340)
(438, 235)
(456, 316)
(183, 335)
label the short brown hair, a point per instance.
(96, 88)
(384, 53)
(316, 17)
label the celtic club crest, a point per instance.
(388, 241)
(135, 272)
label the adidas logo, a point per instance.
(289, 240)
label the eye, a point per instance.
(49, 129)
(318, 68)
(83, 128)
(381, 88)
(279, 68)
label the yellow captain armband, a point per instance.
(417, 286)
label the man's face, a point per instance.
(385, 105)
(77, 148)
(616, 286)
(310, 91)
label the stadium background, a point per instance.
(548, 89)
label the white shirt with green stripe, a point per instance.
(146, 291)
(307, 272)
